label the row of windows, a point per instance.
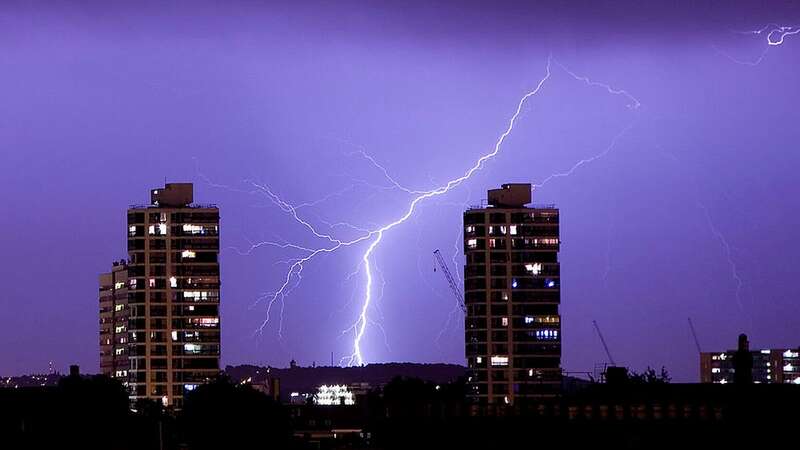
(176, 336)
(499, 270)
(517, 296)
(514, 322)
(178, 270)
(543, 334)
(139, 311)
(482, 375)
(513, 256)
(546, 243)
(533, 216)
(510, 230)
(182, 217)
(531, 309)
(471, 284)
(193, 296)
(139, 364)
(188, 323)
(188, 349)
(540, 349)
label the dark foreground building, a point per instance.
(512, 295)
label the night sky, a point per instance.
(692, 212)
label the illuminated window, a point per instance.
(504, 321)
(119, 307)
(119, 285)
(192, 348)
(206, 322)
(188, 254)
(514, 283)
(715, 370)
(479, 360)
(334, 395)
(513, 230)
(157, 230)
(534, 269)
(547, 335)
(199, 229)
(119, 351)
(132, 283)
(472, 243)
(174, 335)
(499, 361)
(173, 282)
(152, 282)
(200, 296)
(470, 229)
(132, 230)
(119, 329)
(528, 320)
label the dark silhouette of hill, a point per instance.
(306, 379)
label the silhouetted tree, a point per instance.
(222, 414)
(649, 376)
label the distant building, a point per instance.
(769, 366)
(114, 322)
(173, 295)
(512, 294)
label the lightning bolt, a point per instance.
(588, 160)
(775, 34)
(361, 323)
(374, 236)
(728, 254)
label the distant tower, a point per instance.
(743, 362)
(512, 294)
(173, 295)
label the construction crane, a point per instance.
(694, 335)
(453, 286)
(603, 341)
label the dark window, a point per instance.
(497, 217)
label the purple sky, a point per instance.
(98, 104)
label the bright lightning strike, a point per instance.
(775, 34)
(361, 323)
(375, 235)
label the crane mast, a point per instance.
(603, 341)
(694, 335)
(450, 280)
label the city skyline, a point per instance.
(668, 150)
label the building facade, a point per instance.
(173, 295)
(512, 295)
(114, 322)
(769, 366)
